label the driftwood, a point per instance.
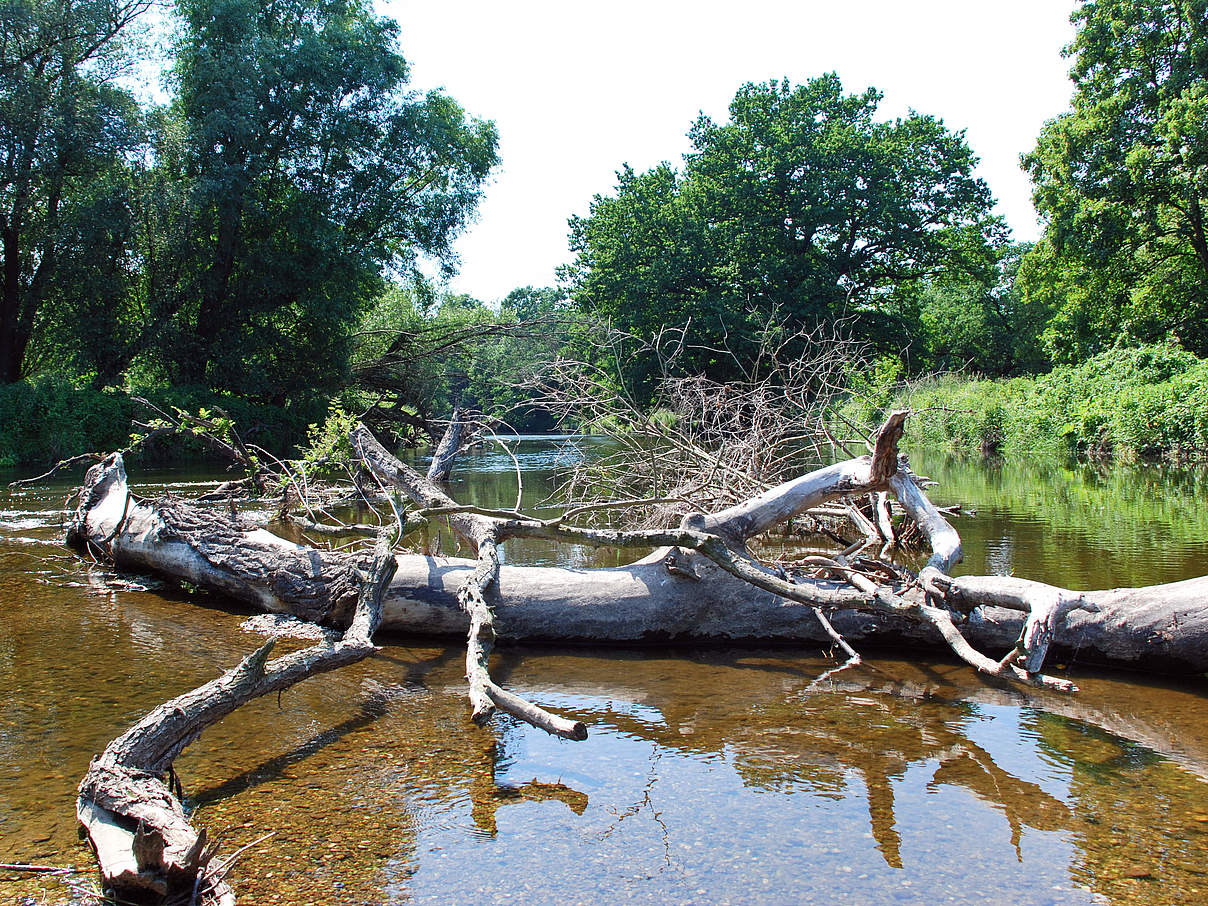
(446, 450)
(134, 819)
(700, 584)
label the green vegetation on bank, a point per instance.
(414, 358)
(1142, 402)
(804, 209)
(231, 239)
(49, 418)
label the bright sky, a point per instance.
(578, 88)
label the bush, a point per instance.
(48, 418)
(1145, 402)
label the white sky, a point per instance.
(578, 88)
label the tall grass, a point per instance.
(1142, 403)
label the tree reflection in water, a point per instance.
(687, 752)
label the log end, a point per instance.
(117, 851)
(577, 732)
(101, 480)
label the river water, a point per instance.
(710, 776)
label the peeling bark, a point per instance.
(134, 820)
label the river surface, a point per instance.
(710, 776)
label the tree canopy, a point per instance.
(1121, 180)
(232, 238)
(310, 170)
(65, 131)
(268, 231)
(803, 208)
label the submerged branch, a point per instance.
(485, 532)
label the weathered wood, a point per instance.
(470, 527)
(1160, 628)
(884, 519)
(446, 451)
(945, 542)
(484, 533)
(779, 504)
(210, 548)
(135, 822)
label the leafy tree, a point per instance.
(802, 207)
(417, 357)
(79, 329)
(308, 170)
(65, 132)
(526, 303)
(1121, 180)
(1086, 305)
(991, 329)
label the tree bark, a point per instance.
(446, 452)
(10, 302)
(133, 818)
(1161, 628)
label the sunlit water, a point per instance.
(710, 776)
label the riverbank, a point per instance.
(48, 418)
(1148, 403)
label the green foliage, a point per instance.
(49, 418)
(308, 169)
(418, 356)
(873, 389)
(219, 250)
(802, 206)
(1149, 401)
(972, 415)
(1121, 180)
(966, 323)
(328, 449)
(66, 137)
(527, 303)
(231, 239)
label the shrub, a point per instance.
(48, 418)
(1148, 402)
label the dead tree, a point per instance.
(447, 449)
(701, 583)
(701, 444)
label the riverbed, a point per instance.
(710, 775)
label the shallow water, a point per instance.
(710, 776)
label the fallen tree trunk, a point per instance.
(127, 805)
(700, 585)
(669, 596)
(447, 449)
